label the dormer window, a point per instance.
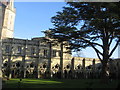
(54, 53)
(45, 53)
(7, 48)
(19, 49)
(32, 51)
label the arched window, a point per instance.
(13, 65)
(32, 51)
(45, 53)
(68, 66)
(7, 48)
(89, 67)
(5, 64)
(44, 65)
(19, 49)
(57, 65)
(54, 53)
(31, 65)
(78, 66)
(18, 64)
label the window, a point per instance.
(45, 66)
(18, 64)
(32, 51)
(7, 48)
(32, 65)
(54, 53)
(5, 64)
(45, 53)
(59, 53)
(19, 49)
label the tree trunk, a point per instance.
(104, 69)
(105, 58)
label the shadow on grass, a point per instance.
(58, 83)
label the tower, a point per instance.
(7, 18)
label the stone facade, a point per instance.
(36, 52)
(7, 18)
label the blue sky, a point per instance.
(39, 0)
(34, 17)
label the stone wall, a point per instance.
(39, 58)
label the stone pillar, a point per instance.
(9, 66)
(1, 22)
(9, 59)
(83, 66)
(37, 61)
(49, 60)
(61, 59)
(23, 74)
(23, 67)
(93, 68)
(72, 66)
(93, 63)
(1, 59)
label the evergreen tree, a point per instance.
(89, 24)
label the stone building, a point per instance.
(33, 57)
(28, 55)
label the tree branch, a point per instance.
(111, 39)
(97, 50)
(92, 45)
(97, 44)
(114, 47)
(99, 56)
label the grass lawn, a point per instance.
(58, 83)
